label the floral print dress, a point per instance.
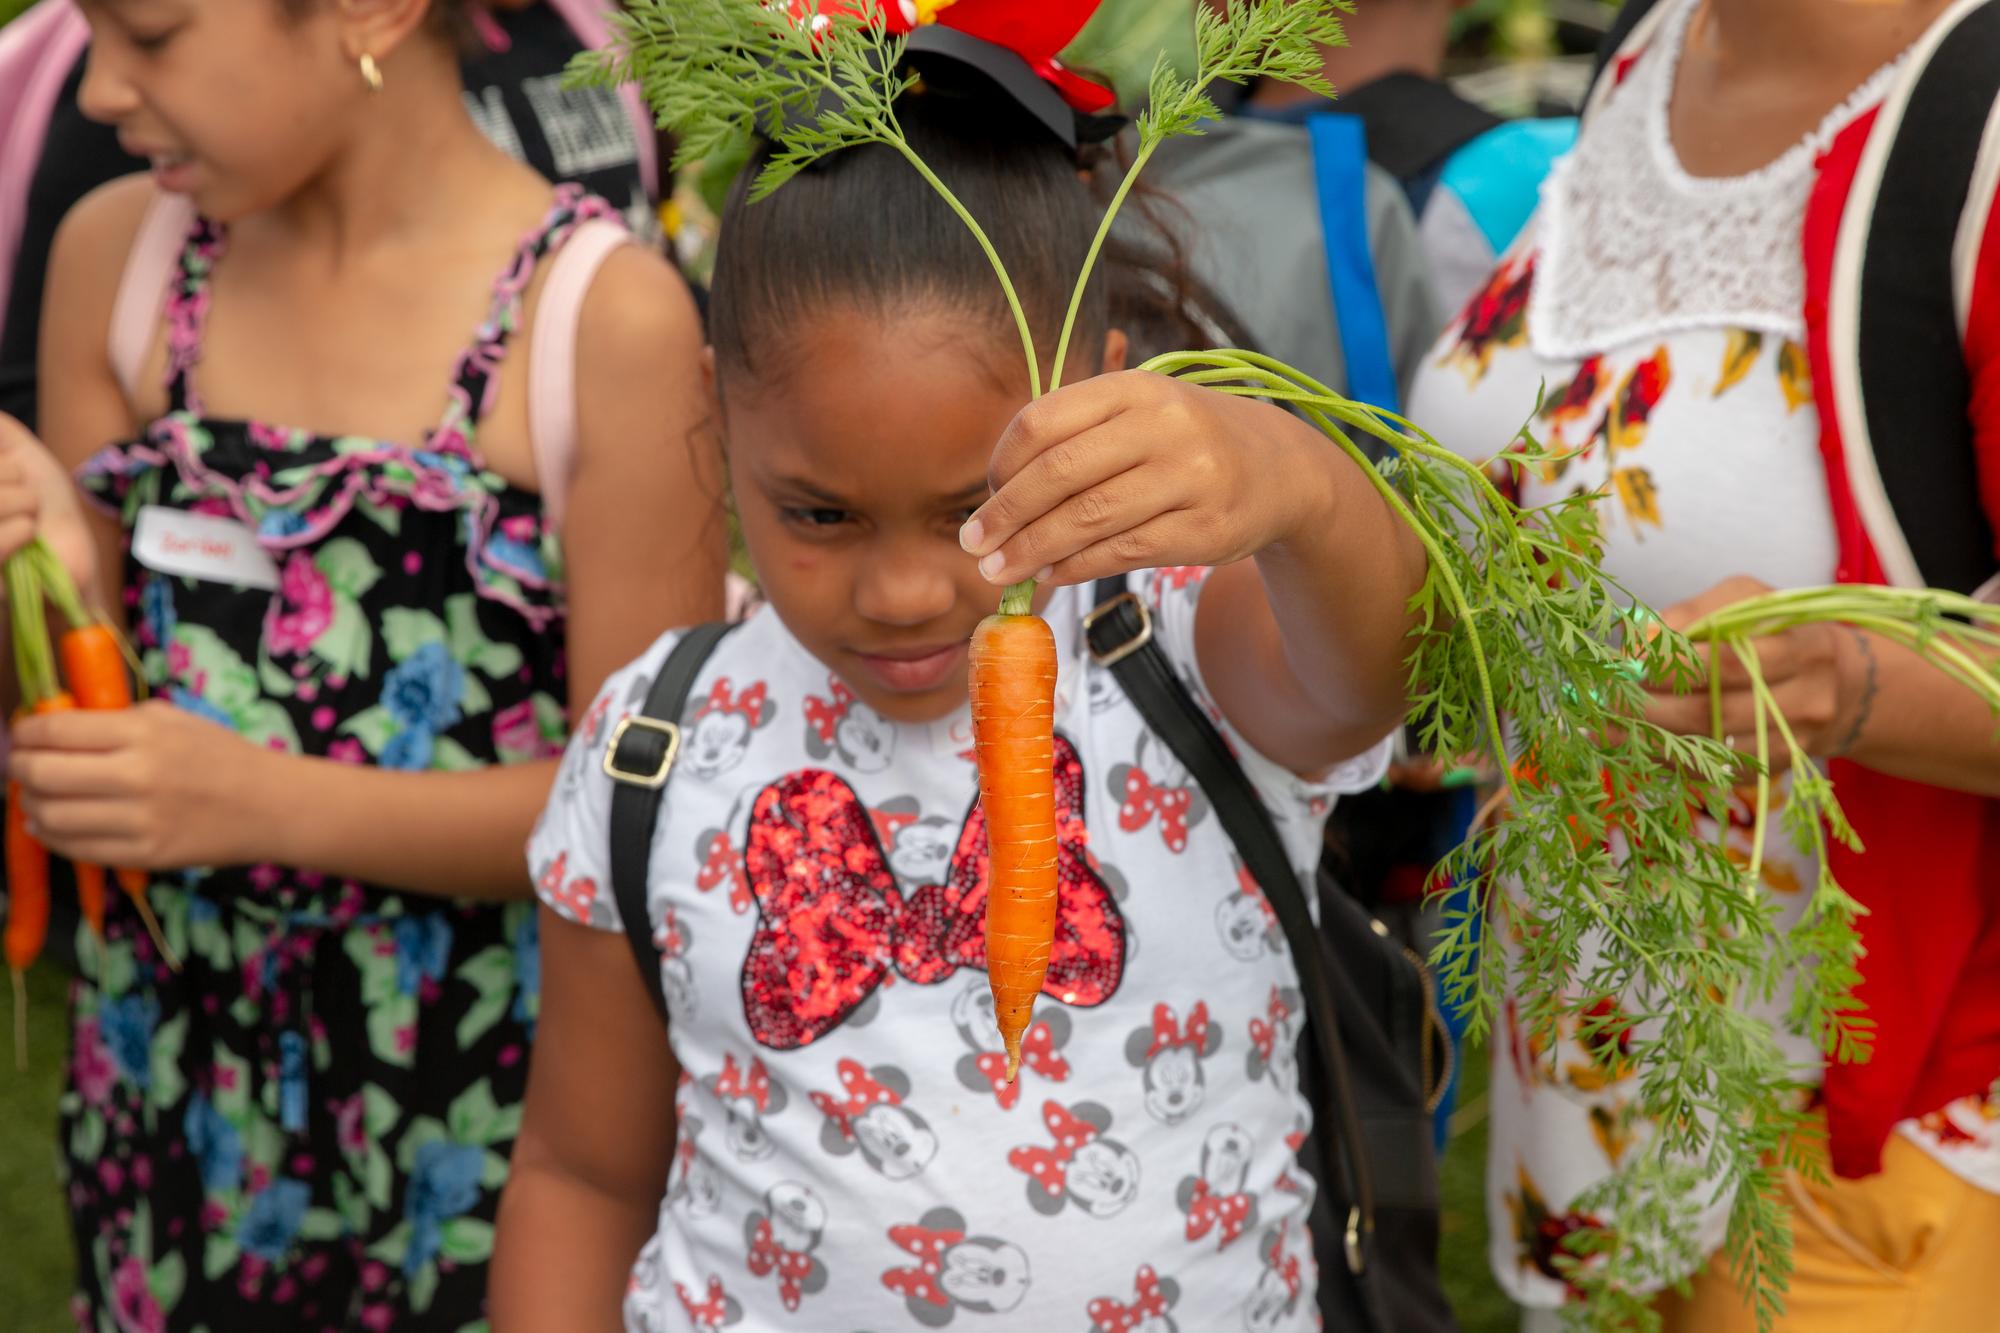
(307, 1125)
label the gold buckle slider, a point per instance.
(1124, 650)
(658, 777)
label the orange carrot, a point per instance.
(93, 666)
(27, 896)
(1013, 718)
(90, 895)
(27, 887)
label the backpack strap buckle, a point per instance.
(1118, 628)
(644, 762)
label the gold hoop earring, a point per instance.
(371, 73)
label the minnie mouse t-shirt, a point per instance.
(849, 1156)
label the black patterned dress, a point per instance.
(307, 1126)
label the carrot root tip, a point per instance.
(1013, 1060)
(153, 929)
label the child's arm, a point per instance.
(155, 788)
(1300, 634)
(597, 1139)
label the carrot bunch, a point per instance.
(92, 666)
(1013, 688)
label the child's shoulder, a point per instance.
(87, 258)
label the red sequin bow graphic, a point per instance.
(1035, 30)
(767, 1255)
(709, 1312)
(1208, 1210)
(927, 1246)
(862, 1092)
(1144, 800)
(1038, 1052)
(1049, 1167)
(1113, 1316)
(1168, 1032)
(833, 924)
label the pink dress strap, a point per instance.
(37, 52)
(552, 358)
(142, 291)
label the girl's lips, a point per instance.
(914, 672)
(173, 174)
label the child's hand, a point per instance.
(1135, 471)
(151, 787)
(37, 496)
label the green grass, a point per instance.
(36, 1264)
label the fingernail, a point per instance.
(972, 536)
(990, 567)
(1045, 573)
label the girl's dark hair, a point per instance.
(862, 229)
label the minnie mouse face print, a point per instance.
(747, 1095)
(1283, 1281)
(1244, 921)
(693, 1185)
(712, 1307)
(985, 1067)
(954, 1271)
(1216, 1202)
(1153, 1297)
(868, 1115)
(718, 735)
(1171, 1053)
(1155, 789)
(780, 1238)
(673, 940)
(1083, 1169)
(1274, 1041)
(844, 726)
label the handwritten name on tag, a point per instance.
(200, 546)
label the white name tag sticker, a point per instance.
(200, 546)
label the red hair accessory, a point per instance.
(749, 1081)
(1167, 1030)
(1015, 43)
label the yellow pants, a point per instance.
(1911, 1249)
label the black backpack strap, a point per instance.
(1120, 637)
(1904, 345)
(639, 759)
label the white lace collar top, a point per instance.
(1633, 246)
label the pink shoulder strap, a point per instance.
(142, 291)
(590, 20)
(37, 52)
(552, 358)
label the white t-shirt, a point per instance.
(847, 1158)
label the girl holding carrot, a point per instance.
(827, 1134)
(327, 499)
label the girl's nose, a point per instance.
(906, 582)
(106, 94)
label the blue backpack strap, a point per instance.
(1340, 160)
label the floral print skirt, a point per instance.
(305, 1126)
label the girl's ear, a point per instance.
(1116, 348)
(377, 27)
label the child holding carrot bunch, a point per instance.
(327, 508)
(825, 1134)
